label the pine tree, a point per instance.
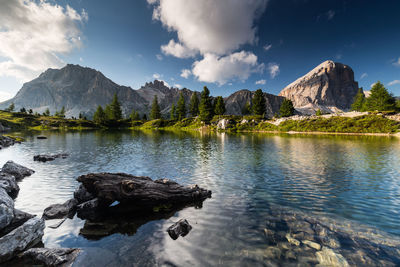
(173, 112)
(259, 104)
(47, 112)
(144, 117)
(109, 113)
(22, 110)
(181, 107)
(205, 107)
(116, 111)
(134, 115)
(246, 110)
(219, 108)
(194, 105)
(380, 99)
(286, 109)
(155, 112)
(30, 111)
(11, 107)
(99, 116)
(359, 101)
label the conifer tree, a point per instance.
(205, 107)
(173, 112)
(109, 113)
(247, 108)
(380, 99)
(359, 101)
(155, 112)
(259, 104)
(116, 111)
(181, 107)
(194, 105)
(134, 115)
(144, 117)
(286, 109)
(47, 112)
(219, 108)
(99, 116)
(11, 107)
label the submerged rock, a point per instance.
(44, 158)
(9, 184)
(328, 257)
(17, 170)
(41, 137)
(52, 256)
(180, 228)
(24, 236)
(6, 141)
(58, 211)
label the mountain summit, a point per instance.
(329, 87)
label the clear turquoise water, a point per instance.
(343, 177)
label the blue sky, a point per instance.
(227, 45)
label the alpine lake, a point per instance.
(277, 200)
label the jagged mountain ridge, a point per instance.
(81, 90)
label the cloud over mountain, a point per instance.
(214, 29)
(34, 33)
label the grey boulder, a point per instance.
(58, 211)
(17, 170)
(22, 237)
(9, 184)
(6, 209)
(52, 256)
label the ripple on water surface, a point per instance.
(343, 177)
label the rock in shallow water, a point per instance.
(58, 211)
(6, 209)
(24, 236)
(18, 171)
(180, 228)
(44, 158)
(52, 256)
(9, 184)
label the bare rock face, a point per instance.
(329, 87)
(235, 102)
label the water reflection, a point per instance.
(349, 177)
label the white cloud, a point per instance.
(372, 84)
(33, 34)
(397, 62)
(177, 85)
(5, 96)
(159, 57)
(177, 50)
(210, 26)
(186, 73)
(267, 47)
(394, 82)
(214, 69)
(157, 76)
(273, 69)
(364, 75)
(261, 82)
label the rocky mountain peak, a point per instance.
(330, 87)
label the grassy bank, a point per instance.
(373, 123)
(358, 125)
(23, 121)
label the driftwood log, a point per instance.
(139, 192)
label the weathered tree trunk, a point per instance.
(140, 192)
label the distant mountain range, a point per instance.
(329, 87)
